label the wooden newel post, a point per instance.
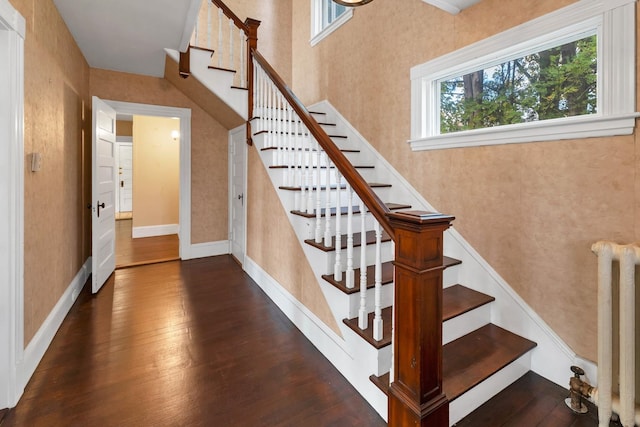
(252, 44)
(416, 397)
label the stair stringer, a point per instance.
(217, 81)
(552, 357)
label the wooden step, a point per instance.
(297, 134)
(370, 239)
(205, 49)
(343, 211)
(456, 300)
(387, 277)
(228, 70)
(473, 358)
(315, 167)
(531, 401)
(334, 186)
(313, 150)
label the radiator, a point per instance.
(628, 256)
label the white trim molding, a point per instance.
(184, 114)
(155, 230)
(12, 35)
(614, 23)
(318, 33)
(203, 250)
(40, 342)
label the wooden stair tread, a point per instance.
(296, 134)
(315, 167)
(471, 359)
(387, 277)
(228, 70)
(206, 49)
(334, 186)
(343, 211)
(239, 87)
(344, 150)
(456, 300)
(370, 239)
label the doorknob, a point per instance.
(100, 205)
(240, 196)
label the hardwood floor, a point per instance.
(192, 343)
(531, 401)
(145, 250)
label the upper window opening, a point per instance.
(553, 83)
(326, 17)
(569, 74)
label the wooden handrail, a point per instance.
(353, 177)
(229, 14)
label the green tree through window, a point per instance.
(554, 83)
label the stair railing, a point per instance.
(303, 149)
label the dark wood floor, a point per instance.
(531, 401)
(144, 250)
(192, 343)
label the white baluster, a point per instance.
(231, 61)
(270, 123)
(310, 156)
(220, 50)
(304, 168)
(349, 273)
(327, 212)
(337, 268)
(209, 26)
(290, 154)
(316, 173)
(243, 59)
(377, 319)
(363, 321)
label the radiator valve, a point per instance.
(577, 390)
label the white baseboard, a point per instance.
(155, 230)
(202, 250)
(333, 347)
(40, 342)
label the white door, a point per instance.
(237, 172)
(125, 177)
(103, 173)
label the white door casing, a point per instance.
(237, 191)
(12, 34)
(103, 175)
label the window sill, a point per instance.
(332, 27)
(548, 130)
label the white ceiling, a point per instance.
(129, 35)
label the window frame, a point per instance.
(319, 30)
(614, 24)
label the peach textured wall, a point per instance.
(156, 171)
(209, 162)
(124, 127)
(273, 245)
(532, 210)
(58, 126)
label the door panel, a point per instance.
(103, 193)
(238, 152)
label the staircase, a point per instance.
(483, 350)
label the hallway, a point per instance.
(192, 343)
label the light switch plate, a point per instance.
(36, 162)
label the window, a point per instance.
(556, 77)
(326, 17)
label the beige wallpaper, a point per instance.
(124, 127)
(273, 244)
(58, 126)
(532, 210)
(156, 171)
(209, 162)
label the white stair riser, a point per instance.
(474, 398)
(468, 322)
(386, 299)
(378, 362)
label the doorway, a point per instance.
(147, 193)
(126, 110)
